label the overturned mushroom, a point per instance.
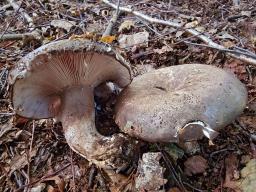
(180, 103)
(58, 80)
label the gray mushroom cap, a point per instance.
(44, 74)
(180, 103)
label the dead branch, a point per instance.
(4, 7)
(17, 7)
(112, 22)
(238, 55)
(23, 36)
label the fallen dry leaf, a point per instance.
(174, 151)
(164, 49)
(179, 34)
(192, 24)
(126, 25)
(238, 68)
(140, 39)
(108, 39)
(225, 35)
(247, 183)
(248, 174)
(246, 13)
(58, 181)
(228, 44)
(20, 161)
(38, 188)
(231, 165)
(6, 127)
(195, 165)
(174, 189)
(63, 24)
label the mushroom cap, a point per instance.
(42, 76)
(176, 103)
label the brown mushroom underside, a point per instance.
(181, 102)
(58, 80)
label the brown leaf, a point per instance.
(238, 68)
(231, 164)
(140, 39)
(6, 128)
(108, 39)
(38, 188)
(174, 189)
(51, 189)
(164, 49)
(195, 165)
(126, 25)
(58, 181)
(19, 161)
(21, 121)
(63, 24)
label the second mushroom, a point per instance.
(180, 103)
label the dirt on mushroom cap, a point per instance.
(156, 105)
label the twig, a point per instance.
(73, 171)
(30, 151)
(155, 31)
(194, 32)
(24, 36)
(9, 24)
(246, 53)
(7, 114)
(102, 182)
(24, 14)
(4, 7)
(176, 177)
(220, 151)
(239, 125)
(112, 22)
(43, 178)
(142, 16)
(3, 79)
(92, 174)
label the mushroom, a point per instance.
(58, 80)
(180, 103)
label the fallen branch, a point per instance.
(238, 55)
(17, 7)
(112, 22)
(236, 50)
(24, 36)
(4, 7)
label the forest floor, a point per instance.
(34, 153)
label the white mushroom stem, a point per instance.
(78, 120)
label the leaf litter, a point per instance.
(151, 46)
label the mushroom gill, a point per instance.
(58, 80)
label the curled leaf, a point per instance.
(195, 165)
(108, 39)
(126, 25)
